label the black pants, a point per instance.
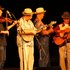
(43, 51)
(2, 56)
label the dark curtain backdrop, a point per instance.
(54, 10)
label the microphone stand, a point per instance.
(41, 48)
(22, 53)
(22, 44)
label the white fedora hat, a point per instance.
(40, 10)
(27, 11)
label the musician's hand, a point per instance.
(38, 31)
(10, 26)
(51, 29)
(34, 32)
(51, 26)
(61, 34)
(44, 28)
(5, 32)
(15, 22)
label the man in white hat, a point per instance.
(42, 37)
(25, 36)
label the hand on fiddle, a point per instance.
(15, 22)
(8, 20)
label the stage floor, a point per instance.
(43, 68)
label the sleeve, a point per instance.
(34, 27)
(19, 27)
(32, 24)
(56, 28)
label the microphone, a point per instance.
(8, 13)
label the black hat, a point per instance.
(1, 8)
(66, 15)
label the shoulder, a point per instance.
(30, 21)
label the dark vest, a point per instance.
(2, 36)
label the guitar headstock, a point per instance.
(53, 22)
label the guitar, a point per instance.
(58, 40)
(49, 28)
(29, 36)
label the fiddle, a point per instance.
(4, 19)
(9, 20)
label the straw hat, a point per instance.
(40, 10)
(27, 11)
(66, 15)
